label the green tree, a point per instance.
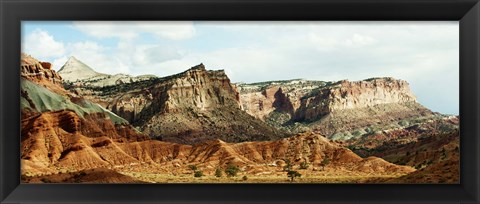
(304, 165)
(293, 174)
(198, 174)
(218, 172)
(325, 162)
(231, 170)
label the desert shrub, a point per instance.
(218, 172)
(192, 167)
(293, 174)
(304, 165)
(403, 123)
(231, 170)
(325, 162)
(357, 133)
(198, 174)
(288, 165)
(244, 178)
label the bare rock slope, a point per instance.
(190, 107)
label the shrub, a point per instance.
(192, 167)
(231, 170)
(218, 172)
(288, 165)
(198, 174)
(404, 123)
(304, 165)
(293, 174)
(357, 133)
(325, 162)
(244, 178)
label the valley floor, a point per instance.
(313, 179)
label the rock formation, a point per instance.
(190, 107)
(51, 149)
(75, 71)
(45, 97)
(331, 108)
(39, 72)
(345, 95)
(83, 134)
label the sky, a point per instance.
(425, 54)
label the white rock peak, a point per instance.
(75, 70)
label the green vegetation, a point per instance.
(231, 170)
(198, 174)
(121, 88)
(293, 174)
(304, 165)
(288, 165)
(192, 167)
(218, 172)
(403, 123)
(325, 162)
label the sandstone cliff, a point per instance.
(331, 108)
(190, 107)
(345, 95)
(39, 72)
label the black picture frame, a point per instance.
(12, 12)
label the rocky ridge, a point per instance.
(45, 97)
(335, 109)
(190, 107)
(75, 71)
(68, 132)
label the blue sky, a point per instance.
(426, 54)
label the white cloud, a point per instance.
(132, 29)
(41, 44)
(59, 62)
(359, 40)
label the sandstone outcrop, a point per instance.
(190, 107)
(332, 109)
(39, 72)
(345, 95)
(44, 100)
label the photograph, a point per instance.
(215, 102)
